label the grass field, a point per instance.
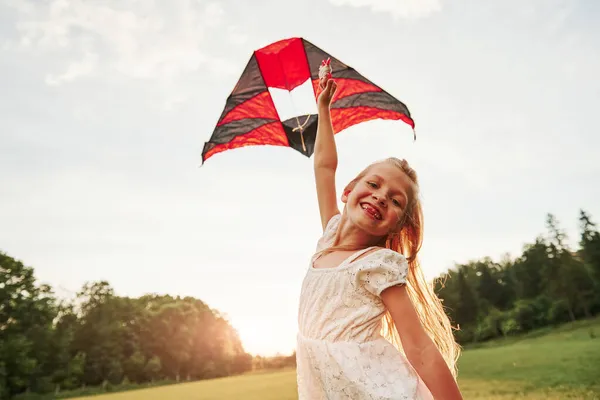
(560, 364)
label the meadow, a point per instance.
(559, 363)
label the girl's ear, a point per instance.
(345, 194)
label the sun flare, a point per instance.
(266, 337)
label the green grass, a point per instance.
(563, 363)
(279, 385)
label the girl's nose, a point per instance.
(380, 199)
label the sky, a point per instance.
(106, 105)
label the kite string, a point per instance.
(300, 127)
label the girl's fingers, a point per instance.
(328, 88)
(323, 83)
(331, 87)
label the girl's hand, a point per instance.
(328, 88)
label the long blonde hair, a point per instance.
(407, 240)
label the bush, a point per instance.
(531, 314)
(510, 326)
(558, 312)
(44, 385)
(32, 396)
(465, 335)
(491, 326)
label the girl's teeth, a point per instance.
(375, 213)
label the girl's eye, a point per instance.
(372, 184)
(396, 203)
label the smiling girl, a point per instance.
(370, 327)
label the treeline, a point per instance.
(274, 362)
(549, 283)
(100, 339)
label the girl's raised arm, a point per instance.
(325, 156)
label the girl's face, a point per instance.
(378, 200)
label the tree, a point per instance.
(26, 314)
(567, 277)
(490, 289)
(526, 273)
(590, 246)
(102, 338)
(467, 310)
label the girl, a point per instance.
(370, 327)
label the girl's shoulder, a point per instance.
(377, 256)
(333, 222)
(382, 268)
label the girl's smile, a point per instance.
(377, 201)
(371, 210)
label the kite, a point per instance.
(250, 117)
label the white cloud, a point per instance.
(235, 36)
(220, 67)
(398, 8)
(141, 40)
(172, 102)
(214, 14)
(83, 67)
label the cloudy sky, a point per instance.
(105, 107)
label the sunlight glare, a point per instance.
(265, 337)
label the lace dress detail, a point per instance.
(340, 352)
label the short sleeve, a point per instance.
(328, 236)
(385, 269)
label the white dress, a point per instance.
(340, 353)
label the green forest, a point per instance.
(102, 340)
(548, 284)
